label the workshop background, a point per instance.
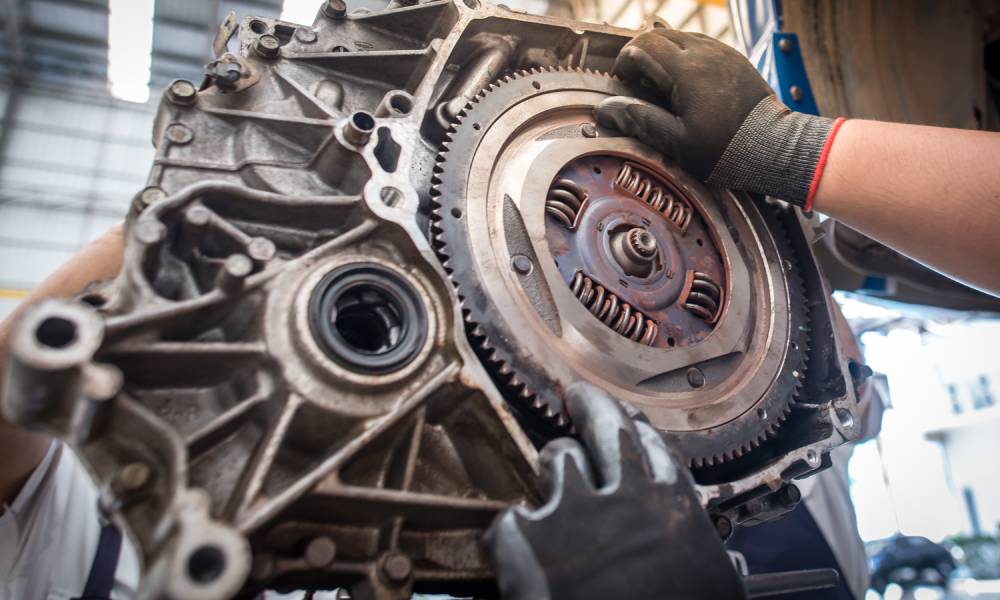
(79, 85)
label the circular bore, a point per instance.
(367, 318)
(206, 564)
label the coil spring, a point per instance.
(634, 181)
(564, 201)
(704, 297)
(609, 308)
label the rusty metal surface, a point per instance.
(611, 211)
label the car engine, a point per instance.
(371, 255)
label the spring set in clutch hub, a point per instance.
(564, 201)
(633, 180)
(704, 296)
(609, 308)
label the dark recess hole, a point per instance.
(536, 85)
(368, 320)
(671, 342)
(258, 27)
(340, 49)
(700, 242)
(597, 170)
(401, 104)
(457, 213)
(206, 564)
(387, 150)
(363, 121)
(56, 332)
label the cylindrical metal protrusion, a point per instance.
(359, 127)
(635, 251)
(335, 9)
(320, 552)
(49, 375)
(267, 46)
(397, 567)
(234, 272)
(182, 92)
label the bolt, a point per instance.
(267, 46)
(695, 377)
(521, 264)
(795, 92)
(261, 249)
(335, 9)
(789, 496)
(724, 527)
(197, 216)
(236, 268)
(320, 552)
(397, 567)
(132, 476)
(589, 130)
(182, 92)
(785, 45)
(150, 232)
(304, 35)
(179, 133)
(150, 196)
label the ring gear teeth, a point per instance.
(521, 393)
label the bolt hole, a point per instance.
(206, 564)
(340, 49)
(846, 418)
(473, 4)
(457, 213)
(659, 24)
(597, 170)
(401, 104)
(363, 121)
(795, 346)
(258, 27)
(56, 332)
(761, 413)
(700, 242)
(476, 126)
(368, 319)
(536, 85)
(811, 456)
(671, 342)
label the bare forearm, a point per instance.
(930, 193)
(23, 450)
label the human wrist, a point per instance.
(777, 152)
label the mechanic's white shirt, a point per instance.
(48, 536)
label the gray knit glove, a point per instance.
(718, 119)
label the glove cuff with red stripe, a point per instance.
(777, 152)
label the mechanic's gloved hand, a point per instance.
(621, 520)
(720, 120)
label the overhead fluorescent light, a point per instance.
(300, 11)
(130, 47)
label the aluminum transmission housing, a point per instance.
(372, 253)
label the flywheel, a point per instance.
(581, 254)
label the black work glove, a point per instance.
(621, 520)
(719, 120)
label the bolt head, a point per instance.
(589, 130)
(795, 92)
(179, 133)
(397, 567)
(305, 35)
(320, 552)
(724, 527)
(151, 195)
(785, 45)
(695, 377)
(182, 92)
(267, 46)
(521, 264)
(335, 9)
